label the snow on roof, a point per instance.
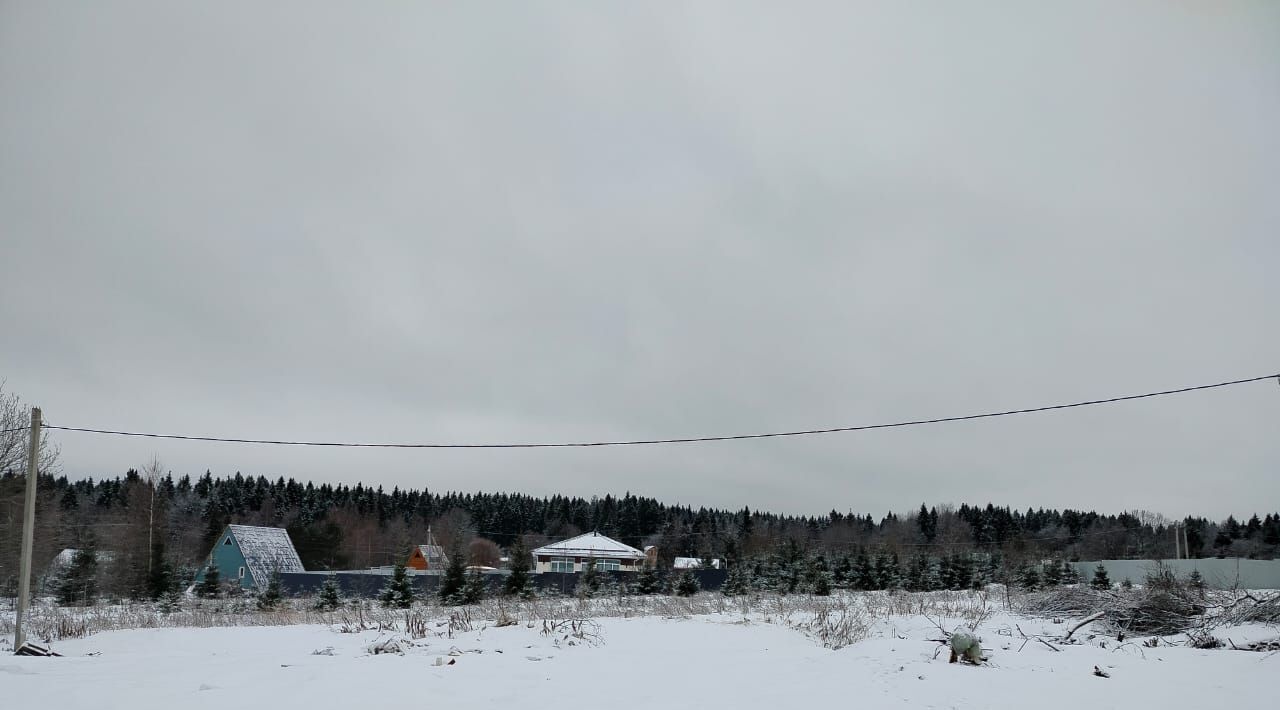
(591, 545)
(265, 550)
(434, 554)
(692, 563)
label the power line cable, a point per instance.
(680, 440)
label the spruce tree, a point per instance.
(842, 573)
(1100, 578)
(945, 573)
(888, 571)
(454, 580)
(269, 599)
(588, 580)
(914, 581)
(883, 576)
(864, 575)
(211, 586)
(932, 578)
(79, 584)
(170, 601)
(817, 577)
(786, 567)
(329, 598)
(399, 590)
(993, 570)
(517, 583)
(474, 591)
(736, 582)
(1052, 573)
(159, 573)
(961, 571)
(1196, 580)
(687, 584)
(1030, 578)
(648, 581)
(1069, 573)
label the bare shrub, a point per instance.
(836, 627)
(1167, 606)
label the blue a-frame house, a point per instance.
(249, 555)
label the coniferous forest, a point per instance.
(152, 530)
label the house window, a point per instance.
(607, 565)
(241, 575)
(227, 541)
(562, 564)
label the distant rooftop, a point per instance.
(591, 545)
(265, 550)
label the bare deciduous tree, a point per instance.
(484, 552)
(15, 418)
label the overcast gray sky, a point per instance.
(478, 222)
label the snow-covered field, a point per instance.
(729, 659)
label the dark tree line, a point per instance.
(150, 533)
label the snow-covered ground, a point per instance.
(707, 660)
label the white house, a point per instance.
(572, 554)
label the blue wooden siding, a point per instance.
(230, 560)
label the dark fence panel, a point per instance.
(368, 585)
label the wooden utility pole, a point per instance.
(28, 531)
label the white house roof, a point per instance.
(265, 550)
(692, 563)
(591, 545)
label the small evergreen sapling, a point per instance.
(842, 573)
(648, 581)
(474, 590)
(170, 601)
(1100, 578)
(1030, 578)
(993, 570)
(687, 584)
(915, 574)
(1196, 580)
(736, 582)
(329, 598)
(160, 577)
(961, 572)
(787, 567)
(269, 599)
(589, 579)
(211, 586)
(819, 579)
(399, 590)
(933, 575)
(517, 583)
(1069, 573)
(79, 585)
(864, 575)
(453, 583)
(1052, 573)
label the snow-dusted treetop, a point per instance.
(265, 550)
(591, 545)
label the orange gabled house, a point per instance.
(428, 557)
